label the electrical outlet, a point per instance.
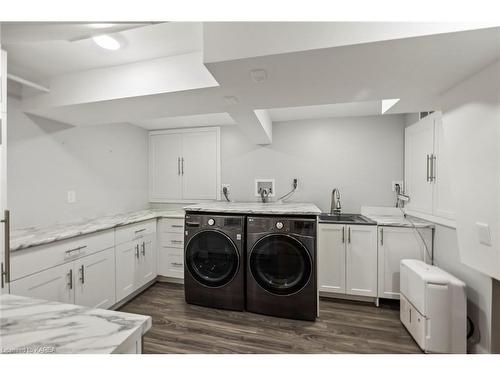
(394, 183)
(71, 196)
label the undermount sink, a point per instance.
(344, 218)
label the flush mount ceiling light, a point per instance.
(387, 104)
(258, 75)
(107, 42)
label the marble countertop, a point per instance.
(34, 236)
(271, 208)
(399, 221)
(31, 325)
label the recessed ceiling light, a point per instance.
(107, 42)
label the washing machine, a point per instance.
(214, 260)
(281, 267)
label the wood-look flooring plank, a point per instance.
(342, 327)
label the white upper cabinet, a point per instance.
(165, 182)
(426, 171)
(184, 165)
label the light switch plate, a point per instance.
(483, 233)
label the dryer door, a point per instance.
(212, 258)
(280, 264)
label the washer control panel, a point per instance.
(279, 225)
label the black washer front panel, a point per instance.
(280, 264)
(212, 258)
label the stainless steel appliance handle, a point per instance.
(5, 276)
(82, 274)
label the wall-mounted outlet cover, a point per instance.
(266, 184)
(71, 196)
(394, 183)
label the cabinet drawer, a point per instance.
(171, 262)
(172, 240)
(134, 231)
(172, 225)
(29, 261)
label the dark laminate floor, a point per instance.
(343, 327)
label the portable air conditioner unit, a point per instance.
(433, 307)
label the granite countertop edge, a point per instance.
(50, 234)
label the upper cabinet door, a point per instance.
(419, 147)
(361, 260)
(443, 201)
(200, 165)
(331, 258)
(165, 154)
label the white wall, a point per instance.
(359, 155)
(106, 165)
(479, 286)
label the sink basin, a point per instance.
(345, 218)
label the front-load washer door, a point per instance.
(212, 258)
(280, 264)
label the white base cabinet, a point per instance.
(171, 248)
(395, 244)
(347, 259)
(136, 258)
(53, 284)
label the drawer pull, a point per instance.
(75, 249)
(176, 264)
(177, 226)
(140, 230)
(176, 241)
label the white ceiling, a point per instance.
(368, 108)
(208, 119)
(55, 49)
(346, 80)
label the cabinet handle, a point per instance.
(182, 166)
(70, 282)
(137, 251)
(343, 234)
(75, 249)
(143, 249)
(178, 166)
(349, 235)
(5, 271)
(82, 274)
(433, 167)
(176, 241)
(176, 264)
(382, 236)
(140, 230)
(177, 226)
(427, 166)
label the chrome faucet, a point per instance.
(335, 206)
